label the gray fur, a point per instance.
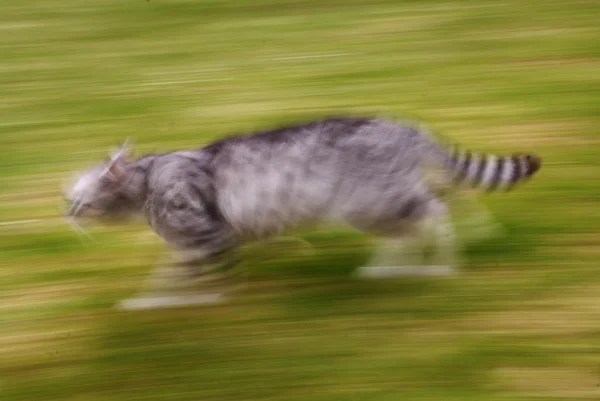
(367, 173)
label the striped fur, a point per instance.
(491, 172)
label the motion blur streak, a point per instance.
(518, 322)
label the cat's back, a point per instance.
(283, 160)
(276, 178)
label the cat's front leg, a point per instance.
(190, 277)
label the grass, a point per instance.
(518, 323)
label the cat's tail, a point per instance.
(488, 171)
(479, 169)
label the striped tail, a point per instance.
(491, 172)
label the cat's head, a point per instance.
(101, 192)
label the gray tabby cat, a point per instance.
(370, 174)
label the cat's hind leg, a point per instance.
(477, 223)
(401, 252)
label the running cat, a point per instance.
(368, 173)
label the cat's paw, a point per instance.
(158, 302)
(378, 272)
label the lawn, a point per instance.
(520, 321)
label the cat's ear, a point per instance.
(115, 167)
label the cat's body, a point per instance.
(367, 173)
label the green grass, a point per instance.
(518, 323)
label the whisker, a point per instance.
(76, 206)
(77, 209)
(72, 209)
(78, 229)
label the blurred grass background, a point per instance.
(519, 323)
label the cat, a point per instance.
(381, 177)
